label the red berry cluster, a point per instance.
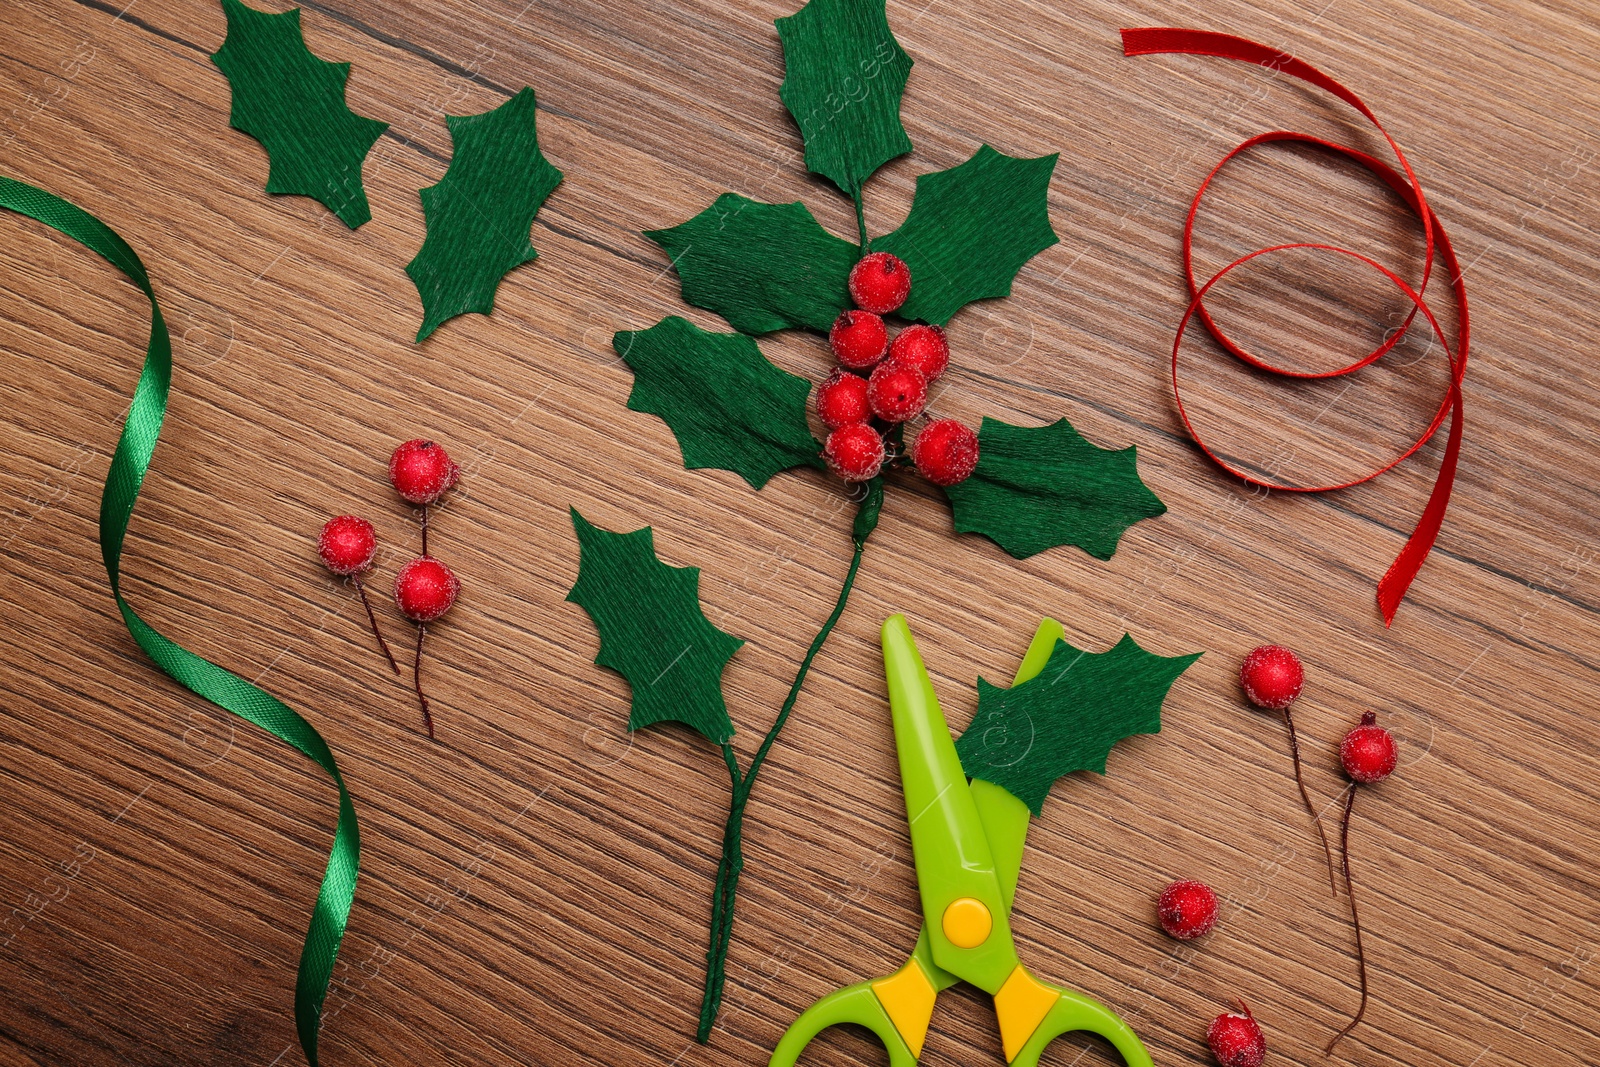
(424, 589)
(859, 411)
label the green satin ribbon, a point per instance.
(140, 432)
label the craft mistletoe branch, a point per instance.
(768, 267)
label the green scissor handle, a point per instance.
(853, 1004)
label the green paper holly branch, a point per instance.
(478, 215)
(768, 267)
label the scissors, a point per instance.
(967, 840)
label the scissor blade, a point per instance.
(962, 903)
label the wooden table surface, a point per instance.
(535, 887)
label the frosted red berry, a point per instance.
(422, 471)
(1187, 909)
(859, 339)
(854, 452)
(1236, 1040)
(922, 347)
(880, 282)
(1368, 752)
(945, 452)
(842, 400)
(425, 589)
(347, 544)
(896, 393)
(1272, 677)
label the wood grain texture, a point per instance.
(535, 888)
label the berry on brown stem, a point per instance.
(1272, 678)
(347, 546)
(424, 590)
(1369, 755)
(1236, 1039)
(422, 472)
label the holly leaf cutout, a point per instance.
(763, 267)
(293, 103)
(1046, 486)
(1067, 718)
(481, 211)
(971, 228)
(727, 405)
(844, 74)
(652, 630)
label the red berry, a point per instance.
(854, 452)
(842, 399)
(1272, 677)
(1187, 909)
(880, 282)
(922, 347)
(421, 471)
(347, 545)
(896, 393)
(859, 339)
(1236, 1040)
(945, 452)
(425, 589)
(1368, 752)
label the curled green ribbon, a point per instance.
(140, 432)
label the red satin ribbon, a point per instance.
(1392, 588)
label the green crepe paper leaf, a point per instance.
(844, 74)
(481, 211)
(652, 630)
(1046, 486)
(763, 267)
(293, 103)
(1067, 718)
(971, 228)
(728, 406)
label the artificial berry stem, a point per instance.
(424, 590)
(1355, 920)
(416, 677)
(1299, 780)
(361, 590)
(1369, 755)
(424, 529)
(742, 784)
(1273, 677)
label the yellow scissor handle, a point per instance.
(853, 1004)
(1033, 1013)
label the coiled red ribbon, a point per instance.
(1392, 588)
